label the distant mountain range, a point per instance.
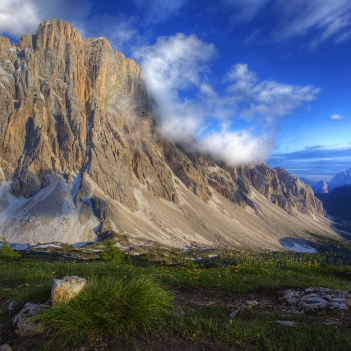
(339, 180)
(338, 205)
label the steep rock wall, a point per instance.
(78, 110)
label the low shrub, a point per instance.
(112, 253)
(7, 253)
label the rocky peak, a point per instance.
(340, 179)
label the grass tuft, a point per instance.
(108, 308)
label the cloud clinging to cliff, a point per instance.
(177, 70)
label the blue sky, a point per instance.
(250, 79)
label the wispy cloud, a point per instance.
(337, 117)
(23, 16)
(246, 10)
(323, 19)
(156, 11)
(315, 162)
(268, 99)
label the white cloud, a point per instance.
(156, 11)
(180, 64)
(324, 19)
(337, 117)
(23, 16)
(267, 99)
(175, 64)
(236, 147)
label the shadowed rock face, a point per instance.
(77, 109)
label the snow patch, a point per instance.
(297, 245)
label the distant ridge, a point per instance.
(339, 180)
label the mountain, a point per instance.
(340, 179)
(317, 186)
(311, 183)
(321, 187)
(80, 159)
(337, 203)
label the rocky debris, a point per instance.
(314, 299)
(22, 322)
(301, 301)
(5, 347)
(249, 304)
(236, 312)
(12, 306)
(286, 323)
(66, 289)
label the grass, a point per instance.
(132, 297)
(259, 333)
(108, 308)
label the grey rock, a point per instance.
(236, 312)
(22, 321)
(12, 306)
(5, 347)
(313, 299)
(286, 323)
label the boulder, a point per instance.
(66, 289)
(22, 322)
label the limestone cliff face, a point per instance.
(70, 105)
(78, 110)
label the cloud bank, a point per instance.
(178, 76)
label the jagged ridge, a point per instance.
(77, 111)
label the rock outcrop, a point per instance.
(79, 153)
